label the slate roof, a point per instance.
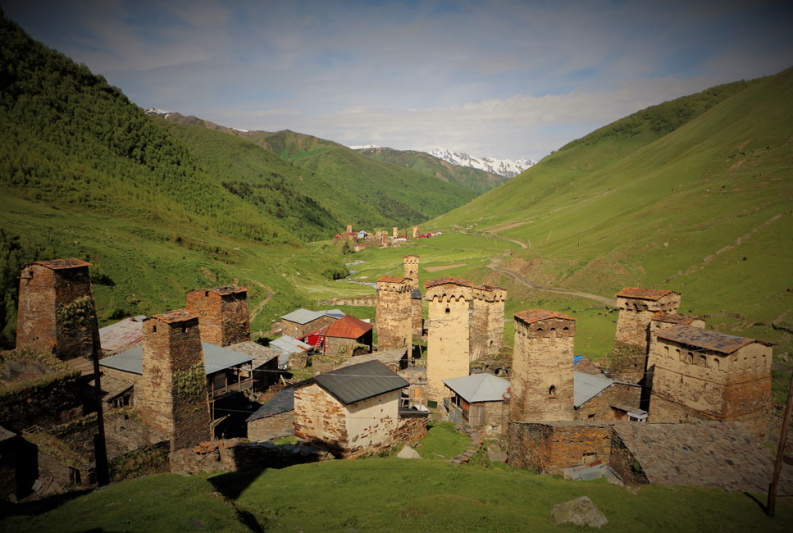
(57, 264)
(283, 402)
(348, 327)
(587, 386)
(354, 383)
(177, 315)
(535, 315)
(674, 318)
(643, 294)
(479, 387)
(216, 359)
(706, 339)
(261, 354)
(304, 316)
(448, 280)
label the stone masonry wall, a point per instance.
(56, 311)
(447, 336)
(320, 418)
(599, 407)
(173, 397)
(635, 315)
(393, 323)
(552, 447)
(542, 370)
(411, 428)
(223, 313)
(487, 323)
(271, 427)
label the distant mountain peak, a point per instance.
(507, 168)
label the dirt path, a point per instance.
(260, 305)
(497, 264)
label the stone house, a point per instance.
(301, 322)
(542, 366)
(354, 411)
(223, 312)
(293, 353)
(701, 374)
(56, 311)
(598, 397)
(448, 333)
(481, 401)
(274, 419)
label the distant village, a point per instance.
(80, 406)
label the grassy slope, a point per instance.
(471, 178)
(394, 495)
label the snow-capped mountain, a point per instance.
(503, 167)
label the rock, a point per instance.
(496, 454)
(408, 453)
(580, 512)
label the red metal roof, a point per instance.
(392, 279)
(177, 315)
(57, 264)
(643, 294)
(449, 281)
(535, 315)
(674, 318)
(706, 339)
(348, 327)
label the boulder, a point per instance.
(580, 512)
(408, 453)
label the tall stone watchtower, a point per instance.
(637, 307)
(487, 326)
(542, 367)
(56, 309)
(447, 332)
(223, 312)
(172, 394)
(411, 263)
(393, 313)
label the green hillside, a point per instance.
(471, 178)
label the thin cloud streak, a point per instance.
(504, 78)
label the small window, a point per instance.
(448, 310)
(552, 391)
(154, 329)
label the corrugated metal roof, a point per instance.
(304, 316)
(673, 318)
(706, 339)
(57, 264)
(535, 315)
(261, 354)
(177, 315)
(354, 383)
(479, 387)
(643, 294)
(122, 334)
(348, 327)
(392, 279)
(449, 280)
(287, 344)
(216, 359)
(587, 386)
(282, 402)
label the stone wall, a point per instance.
(231, 454)
(271, 427)
(636, 312)
(320, 418)
(599, 407)
(56, 311)
(45, 402)
(448, 342)
(173, 396)
(412, 427)
(223, 312)
(553, 446)
(487, 324)
(623, 463)
(393, 321)
(542, 367)
(293, 329)
(358, 301)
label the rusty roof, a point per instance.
(177, 315)
(706, 339)
(448, 281)
(674, 318)
(643, 294)
(224, 290)
(57, 264)
(392, 279)
(535, 315)
(348, 327)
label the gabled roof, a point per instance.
(673, 318)
(304, 316)
(58, 264)
(643, 294)
(449, 280)
(122, 334)
(216, 359)
(283, 402)
(354, 383)
(479, 387)
(535, 315)
(261, 354)
(287, 344)
(706, 339)
(587, 386)
(348, 327)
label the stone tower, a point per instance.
(415, 231)
(393, 313)
(411, 263)
(396, 231)
(223, 312)
(447, 332)
(487, 325)
(172, 393)
(542, 367)
(56, 309)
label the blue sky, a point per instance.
(505, 79)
